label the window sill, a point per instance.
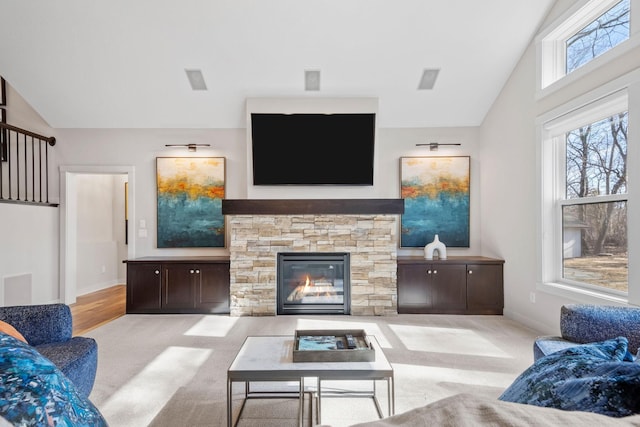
(582, 295)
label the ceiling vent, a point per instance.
(196, 79)
(428, 80)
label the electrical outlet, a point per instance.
(532, 297)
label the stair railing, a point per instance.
(24, 166)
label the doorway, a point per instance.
(69, 208)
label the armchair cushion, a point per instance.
(40, 324)
(585, 323)
(77, 359)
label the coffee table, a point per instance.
(270, 358)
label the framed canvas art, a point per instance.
(190, 193)
(436, 200)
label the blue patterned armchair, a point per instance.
(587, 323)
(48, 328)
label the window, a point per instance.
(593, 29)
(588, 184)
(594, 208)
(608, 30)
(585, 196)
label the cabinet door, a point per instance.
(212, 288)
(179, 281)
(144, 287)
(413, 294)
(485, 293)
(448, 288)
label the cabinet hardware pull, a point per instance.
(428, 271)
(470, 271)
(191, 271)
(435, 271)
(157, 272)
(198, 271)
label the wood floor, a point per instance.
(97, 308)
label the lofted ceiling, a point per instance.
(121, 64)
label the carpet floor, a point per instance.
(170, 370)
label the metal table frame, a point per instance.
(270, 359)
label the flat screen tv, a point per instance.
(313, 149)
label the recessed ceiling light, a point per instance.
(428, 80)
(196, 79)
(312, 80)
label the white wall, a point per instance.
(510, 176)
(29, 246)
(29, 235)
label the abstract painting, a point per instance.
(436, 200)
(190, 193)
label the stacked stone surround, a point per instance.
(372, 241)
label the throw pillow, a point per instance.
(10, 330)
(589, 377)
(33, 391)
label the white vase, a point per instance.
(435, 246)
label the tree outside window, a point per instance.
(608, 30)
(594, 211)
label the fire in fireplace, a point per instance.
(313, 283)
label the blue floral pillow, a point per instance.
(594, 377)
(34, 392)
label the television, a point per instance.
(313, 149)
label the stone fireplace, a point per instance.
(260, 229)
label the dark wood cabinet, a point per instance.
(485, 294)
(144, 286)
(211, 293)
(178, 285)
(427, 287)
(457, 285)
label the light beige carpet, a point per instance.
(170, 370)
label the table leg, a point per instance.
(391, 392)
(229, 403)
(319, 409)
(301, 402)
(374, 395)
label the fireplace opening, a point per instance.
(313, 283)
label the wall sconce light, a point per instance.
(190, 147)
(433, 146)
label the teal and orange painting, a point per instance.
(436, 200)
(190, 193)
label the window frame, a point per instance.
(551, 49)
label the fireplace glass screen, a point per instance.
(313, 283)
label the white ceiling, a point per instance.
(121, 63)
